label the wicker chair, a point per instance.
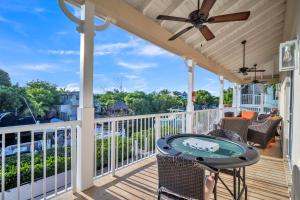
(261, 133)
(236, 124)
(179, 178)
(227, 134)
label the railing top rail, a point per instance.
(131, 117)
(35, 127)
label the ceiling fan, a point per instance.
(244, 70)
(253, 69)
(201, 16)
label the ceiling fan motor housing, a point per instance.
(197, 18)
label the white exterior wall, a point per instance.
(292, 29)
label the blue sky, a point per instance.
(38, 42)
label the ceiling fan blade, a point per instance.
(206, 32)
(229, 17)
(180, 33)
(206, 7)
(258, 70)
(172, 18)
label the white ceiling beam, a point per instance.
(265, 25)
(264, 11)
(132, 20)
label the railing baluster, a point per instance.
(3, 167)
(73, 157)
(145, 132)
(141, 138)
(95, 148)
(127, 143)
(18, 163)
(116, 137)
(152, 135)
(102, 147)
(113, 148)
(32, 164)
(44, 164)
(66, 158)
(148, 138)
(132, 140)
(55, 161)
(109, 147)
(122, 135)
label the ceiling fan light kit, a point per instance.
(198, 18)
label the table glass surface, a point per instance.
(226, 149)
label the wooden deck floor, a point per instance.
(266, 180)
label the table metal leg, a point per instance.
(239, 180)
(215, 188)
(234, 183)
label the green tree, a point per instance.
(12, 99)
(4, 78)
(228, 96)
(43, 96)
(204, 97)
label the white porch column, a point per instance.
(238, 98)
(221, 98)
(85, 138)
(190, 104)
(234, 98)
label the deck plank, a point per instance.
(266, 180)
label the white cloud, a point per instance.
(63, 52)
(41, 67)
(71, 87)
(150, 50)
(136, 66)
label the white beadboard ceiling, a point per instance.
(263, 31)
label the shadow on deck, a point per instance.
(266, 180)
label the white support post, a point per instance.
(85, 138)
(234, 98)
(190, 104)
(221, 98)
(238, 98)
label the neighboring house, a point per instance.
(117, 108)
(251, 97)
(69, 103)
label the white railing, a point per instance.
(121, 141)
(250, 99)
(38, 161)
